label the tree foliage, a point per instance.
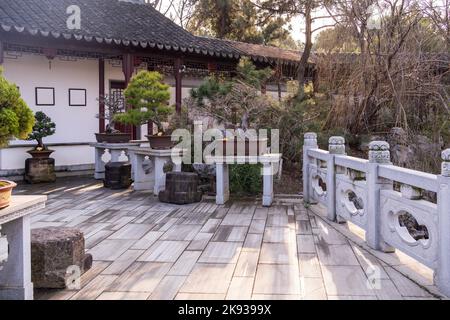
(149, 97)
(43, 127)
(16, 118)
(305, 9)
(240, 20)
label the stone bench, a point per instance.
(57, 257)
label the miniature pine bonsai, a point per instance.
(43, 127)
(16, 118)
(149, 97)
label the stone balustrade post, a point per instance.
(442, 274)
(379, 154)
(310, 142)
(336, 146)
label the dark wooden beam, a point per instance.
(178, 84)
(128, 67)
(101, 94)
(128, 70)
(1, 52)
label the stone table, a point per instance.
(15, 272)
(271, 165)
(150, 175)
(115, 149)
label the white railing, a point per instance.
(362, 192)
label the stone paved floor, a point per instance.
(143, 249)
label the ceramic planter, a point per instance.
(113, 137)
(163, 142)
(5, 192)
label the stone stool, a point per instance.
(181, 188)
(53, 251)
(117, 175)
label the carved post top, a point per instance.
(310, 136)
(379, 152)
(446, 163)
(336, 140)
(310, 139)
(336, 145)
(446, 155)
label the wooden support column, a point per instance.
(128, 70)
(150, 123)
(212, 68)
(1, 52)
(101, 94)
(178, 84)
(128, 67)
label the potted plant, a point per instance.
(114, 104)
(40, 168)
(16, 121)
(149, 98)
(237, 104)
(43, 127)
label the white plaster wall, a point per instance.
(73, 124)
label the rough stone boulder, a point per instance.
(55, 254)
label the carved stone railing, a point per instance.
(393, 205)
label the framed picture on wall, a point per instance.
(77, 97)
(45, 96)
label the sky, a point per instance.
(298, 25)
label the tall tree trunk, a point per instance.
(307, 50)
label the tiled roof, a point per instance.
(256, 51)
(123, 23)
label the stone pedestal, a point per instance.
(39, 170)
(57, 257)
(148, 167)
(15, 272)
(115, 150)
(117, 175)
(181, 188)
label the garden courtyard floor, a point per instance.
(144, 249)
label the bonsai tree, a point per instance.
(16, 118)
(114, 104)
(149, 98)
(236, 103)
(42, 128)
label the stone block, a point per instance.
(53, 251)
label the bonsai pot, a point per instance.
(5, 192)
(40, 154)
(261, 146)
(163, 142)
(113, 137)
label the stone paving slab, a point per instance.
(144, 249)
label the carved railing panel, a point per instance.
(351, 200)
(410, 226)
(318, 185)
